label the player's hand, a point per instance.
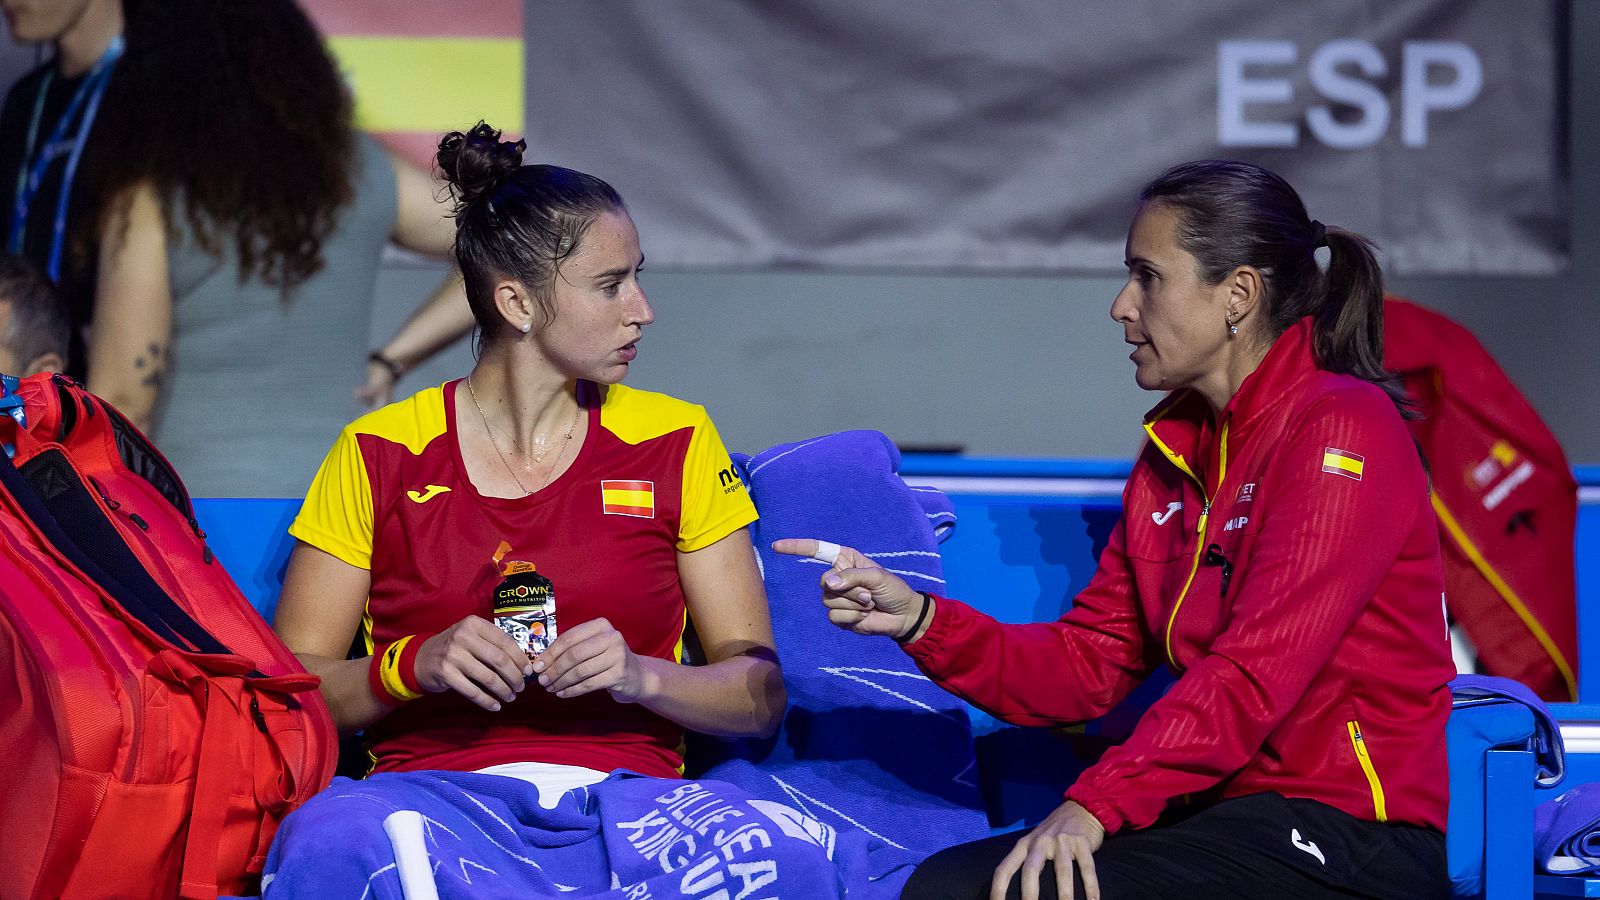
(475, 659)
(860, 594)
(1067, 837)
(589, 657)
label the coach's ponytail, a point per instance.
(1233, 214)
(1349, 318)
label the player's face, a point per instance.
(600, 307)
(1176, 322)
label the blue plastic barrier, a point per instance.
(1029, 534)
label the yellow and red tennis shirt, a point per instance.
(651, 479)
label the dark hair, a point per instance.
(235, 112)
(38, 316)
(515, 221)
(1233, 214)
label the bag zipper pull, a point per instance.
(255, 713)
(99, 489)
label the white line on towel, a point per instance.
(895, 672)
(508, 851)
(844, 672)
(795, 794)
(769, 462)
(368, 890)
(960, 780)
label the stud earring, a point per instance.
(527, 327)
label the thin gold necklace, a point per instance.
(489, 429)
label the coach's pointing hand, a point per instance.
(861, 595)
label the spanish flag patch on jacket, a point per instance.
(1342, 462)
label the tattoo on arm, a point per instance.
(155, 363)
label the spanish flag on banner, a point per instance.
(420, 69)
(1343, 462)
(629, 498)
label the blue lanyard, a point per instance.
(11, 405)
(31, 173)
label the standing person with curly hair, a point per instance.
(227, 229)
(537, 475)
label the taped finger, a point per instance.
(827, 551)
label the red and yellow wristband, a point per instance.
(393, 673)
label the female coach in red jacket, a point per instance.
(1277, 551)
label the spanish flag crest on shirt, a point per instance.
(628, 498)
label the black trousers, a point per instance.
(1262, 846)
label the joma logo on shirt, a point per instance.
(430, 492)
(1160, 518)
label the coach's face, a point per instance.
(1176, 323)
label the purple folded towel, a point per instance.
(1549, 755)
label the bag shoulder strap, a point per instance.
(50, 493)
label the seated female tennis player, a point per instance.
(590, 516)
(1277, 551)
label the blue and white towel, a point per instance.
(629, 837)
(1566, 832)
(869, 744)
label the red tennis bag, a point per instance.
(156, 731)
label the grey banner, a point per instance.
(1014, 134)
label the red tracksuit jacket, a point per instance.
(1286, 564)
(1505, 496)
